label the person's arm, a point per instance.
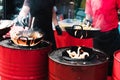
(88, 9)
(25, 8)
(55, 22)
(54, 17)
(88, 12)
(23, 17)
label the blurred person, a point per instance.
(104, 15)
(44, 13)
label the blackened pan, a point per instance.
(26, 37)
(81, 32)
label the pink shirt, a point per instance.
(104, 13)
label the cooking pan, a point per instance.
(26, 37)
(5, 26)
(81, 32)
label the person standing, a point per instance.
(104, 15)
(43, 11)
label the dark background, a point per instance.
(11, 8)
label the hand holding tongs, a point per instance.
(23, 21)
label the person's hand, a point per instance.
(58, 29)
(21, 21)
(87, 22)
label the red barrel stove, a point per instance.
(116, 66)
(64, 68)
(24, 62)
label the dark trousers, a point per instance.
(108, 42)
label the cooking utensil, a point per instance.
(32, 22)
(28, 37)
(81, 32)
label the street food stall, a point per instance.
(26, 58)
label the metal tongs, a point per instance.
(31, 24)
